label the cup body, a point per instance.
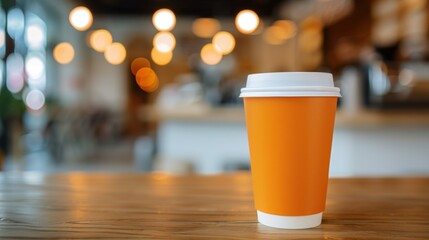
(290, 140)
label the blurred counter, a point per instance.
(371, 143)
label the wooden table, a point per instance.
(159, 206)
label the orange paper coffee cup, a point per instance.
(290, 120)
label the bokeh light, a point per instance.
(274, 35)
(312, 23)
(164, 41)
(35, 99)
(1, 74)
(205, 27)
(210, 55)
(115, 53)
(414, 4)
(15, 63)
(15, 82)
(224, 42)
(15, 22)
(80, 18)
(161, 58)
(139, 63)
(246, 21)
(34, 67)
(64, 53)
(289, 28)
(35, 35)
(147, 79)
(14, 72)
(2, 38)
(99, 40)
(164, 19)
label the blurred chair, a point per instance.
(232, 166)
(144, 149)
(1, 160)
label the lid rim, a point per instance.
(299, 94)
(291, 88)
(290, 73)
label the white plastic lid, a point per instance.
(290, 84)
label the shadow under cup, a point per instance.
(290, 140)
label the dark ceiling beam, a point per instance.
(193, 8)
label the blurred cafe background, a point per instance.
(114, 85)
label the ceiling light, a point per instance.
(210, 55)
(99, 40)
(80, 18)
(164, 19)
(115, 53)
(246, 21)
(224, 42)
(164, 41)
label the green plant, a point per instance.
(11, 106)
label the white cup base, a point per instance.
(290, 222)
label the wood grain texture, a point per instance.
(159, 206)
